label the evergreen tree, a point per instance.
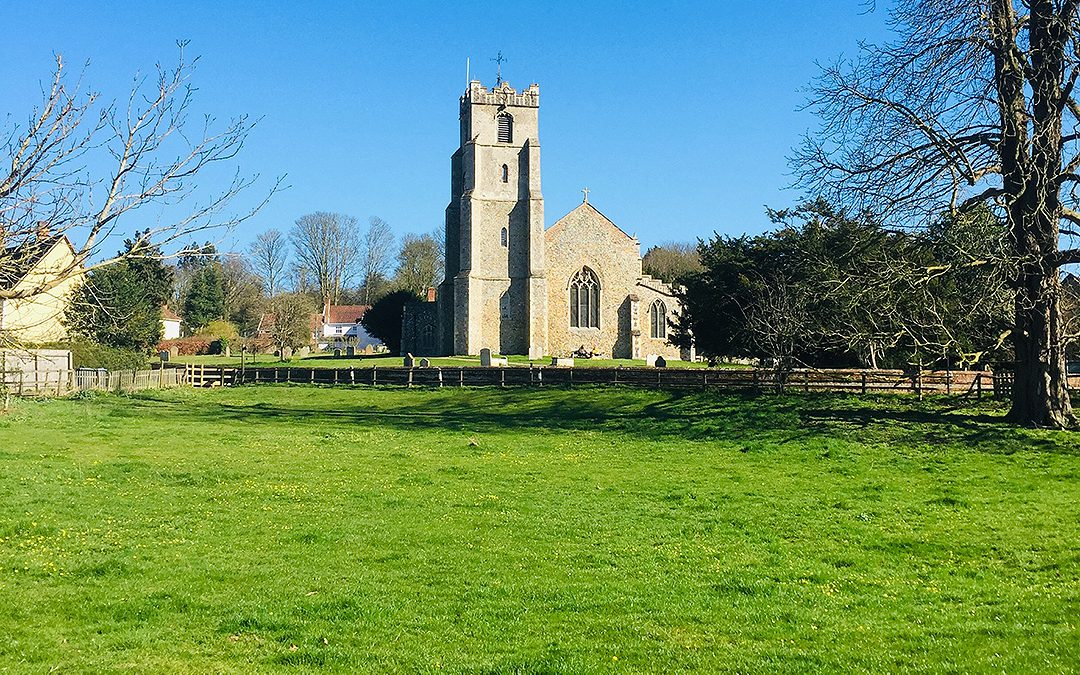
(205, 298)
(120, 305)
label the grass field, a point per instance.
(530, 531)
(323, 360)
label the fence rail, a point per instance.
(975, 383)
(59, 382)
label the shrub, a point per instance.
(219, 329)
(86, 354)
(219, 346)
(190, 346)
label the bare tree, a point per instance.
(82, 168)
(420, 263)
(974, 103)
(378, 254)
(292, 322)
(327, 245)
(269, 257)
(671, 261)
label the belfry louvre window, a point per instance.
(585, 299)
(506, 128)
(658, 320)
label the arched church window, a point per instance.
(658, 320)
(505, 174)
(504, 238)
(506, 128)
(585, 299)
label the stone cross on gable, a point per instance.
(585, 191)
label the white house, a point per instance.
(170, 324)
(341, 327)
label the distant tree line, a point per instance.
(279, 280)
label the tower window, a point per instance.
(504, 237)
(658, 320)
(506, 128)
(585, 299)
(505, 174)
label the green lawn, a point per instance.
(324, 360)
(532, 531)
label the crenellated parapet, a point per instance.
(503, 94)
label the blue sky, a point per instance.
(678, 116)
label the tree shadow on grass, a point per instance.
(649, 415)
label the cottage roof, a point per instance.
(19, 260)
(345, 313)
(169, 315)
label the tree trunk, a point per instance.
(1040, 396)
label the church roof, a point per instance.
(586, 208)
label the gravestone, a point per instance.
(164, 354)
(174, 352)
(661, 362)
(409, 361)
(303, 353)
(286, 353)
(564, 362)
(485, 357)
(424, 363)
(650, 360)
(350, 351)
(337, 353)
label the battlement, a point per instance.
(503, 94)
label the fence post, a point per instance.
(352, 375)
(409, 385)
(948, 382)
(374, 375)
(502, 376)
(440, 377)
(461, 377)
(311, 380)
(616, 374)
(978, 385)
(864, 383)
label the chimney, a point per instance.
(431, 294)
(326, 310)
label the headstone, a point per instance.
(409, 361)
(500, 361)
(650, 360)
(164, 354)
(174, 352)
(425, 363)
(535, 353)
(661, 362)
(286, 353)
(569, 363)
(303, 353)
(350, 351)
(485, 357)
(337, 353)
(228, 351)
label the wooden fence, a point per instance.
(975, 383)
(66, 381)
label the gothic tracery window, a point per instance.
(506, 128)
(585, 299)
(658, 320)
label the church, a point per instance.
(513, 286)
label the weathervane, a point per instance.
(499, 60)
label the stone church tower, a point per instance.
(495, 292)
